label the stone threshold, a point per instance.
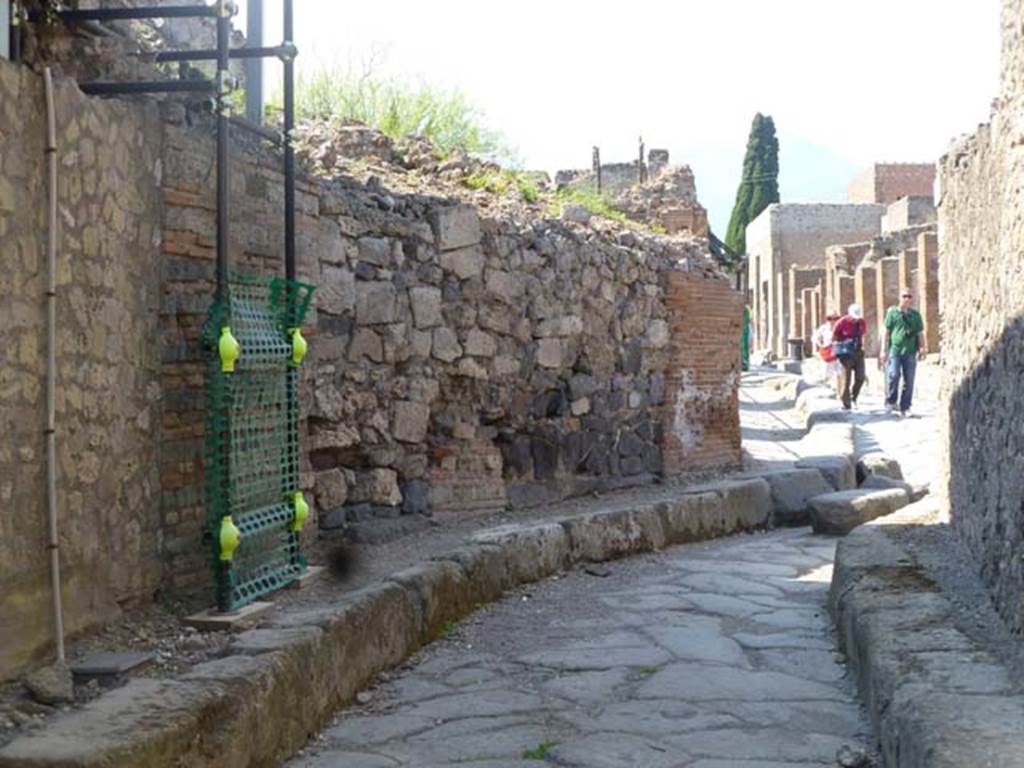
(935, 697)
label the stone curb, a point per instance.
(280, 684)
(935, 698)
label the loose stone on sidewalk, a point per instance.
(836, 514)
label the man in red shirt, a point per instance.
(848, 345)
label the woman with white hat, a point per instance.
(848, 346)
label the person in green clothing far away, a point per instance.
(903, 344)
(745, 341)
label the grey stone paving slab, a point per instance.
(505, 743)
(599, 658)
(686, 681)
(782, 640)
(728, 584)
(753, 744)
(699, 644)
(361, 731)
(592, 687)
(480, 704)
(652, 719)
(813, 664)
(835, 717)
(617, 750)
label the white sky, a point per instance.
(848, 83)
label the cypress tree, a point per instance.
(759, 184)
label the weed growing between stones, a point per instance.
(540, 752)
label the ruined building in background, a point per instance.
(808, 259)
(654, 193)
(981, 216)
(790, 237)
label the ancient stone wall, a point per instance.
(981, 238)
(460, 362)
(108, 385)
(463, 359)
(909, 212)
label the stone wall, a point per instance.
(886, 183)
(981, 236)
(462, 359)
(909, 212)
(460, 362)
(108, 385)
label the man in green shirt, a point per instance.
(903, 344)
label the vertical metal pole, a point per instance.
(223, 128)
(292, 376)
(6, 30)
(289, 150)
(223, 187)
(254, 67)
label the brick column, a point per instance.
(781, 314)
(928, 291)
(907, 261)
(847, 293)
(866, 293)
(888, 284)
(755, 299)
(701, 416)
(807, 325)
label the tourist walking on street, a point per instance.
(848, 346)
(903, 344)
(822, 341)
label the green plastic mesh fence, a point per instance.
(254, 509)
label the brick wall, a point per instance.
(981, 269)
(702, 426)
(886, 183)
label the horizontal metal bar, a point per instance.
(268, 134)
(106, 88)
(210, 54)
(147, 12)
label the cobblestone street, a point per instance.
(707, 656)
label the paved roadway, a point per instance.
(710, 655)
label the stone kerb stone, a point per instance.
(935, 697)
(878, 463)
(791, 492)
(838, 513)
